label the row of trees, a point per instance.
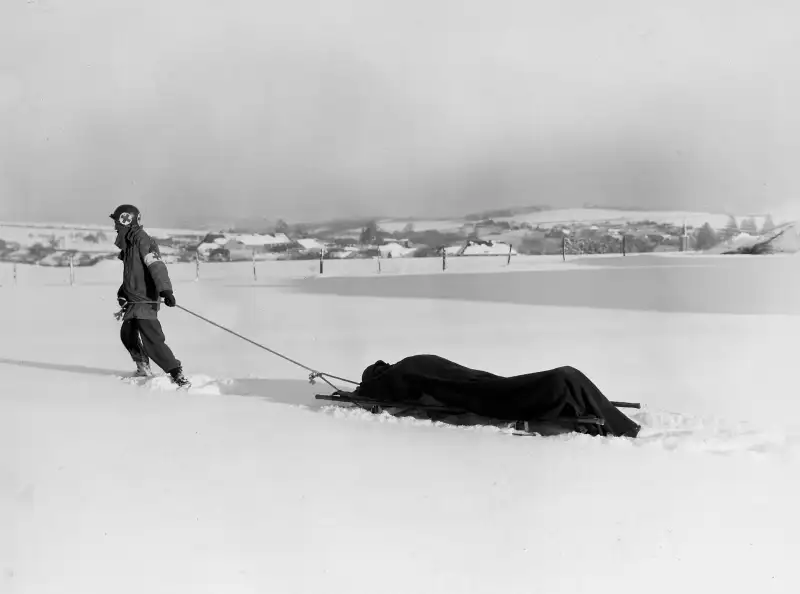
(706, 237)
(748, 225)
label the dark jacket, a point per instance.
(144, 276)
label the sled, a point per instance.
(583, 423)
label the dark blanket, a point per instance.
(542, 396)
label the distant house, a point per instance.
(240, 246)
(254, 241)
(310, 245)
(485, 248)
(212, 242)
(280, 239)
(243, 247)
(236, 250)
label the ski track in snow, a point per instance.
(660, 429)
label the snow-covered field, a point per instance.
(248, 484)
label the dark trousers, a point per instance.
(144, 340)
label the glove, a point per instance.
(169, 298)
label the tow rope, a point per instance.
(313, 372)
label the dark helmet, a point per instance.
(127, 215)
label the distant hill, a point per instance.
(504, 212)
(540, 216)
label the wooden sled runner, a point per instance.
(582, 424)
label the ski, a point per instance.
(520, 427)
(146, 380)
(626, 404)
(381, 404)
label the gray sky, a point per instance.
(212, 110)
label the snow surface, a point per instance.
(248, 484)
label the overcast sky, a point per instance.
(212, 110)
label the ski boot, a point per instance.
(143, 369)
(178, 378)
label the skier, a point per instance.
(144, 280)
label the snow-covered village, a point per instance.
(399, 297)
(539, 232)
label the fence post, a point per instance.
(510, 247)
(321, 259)
(196, 266)
(444, 259)
(71, 270)
(255, 276)
(564, 248)
(624, 247)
